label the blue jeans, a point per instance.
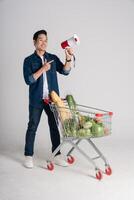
(34, 119)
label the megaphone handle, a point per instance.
(72, 55)
(74, 59)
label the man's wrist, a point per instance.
(68, 60)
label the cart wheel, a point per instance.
(108, 170)
(99, 175)
(70, 159)
(50, 166)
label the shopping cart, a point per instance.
(82, 123)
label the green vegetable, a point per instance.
(88, 133)
(87, 125)
(71, 102)
(83, 119)
(97, 130)
(87, 118)
(81, 125)
(84, 133)
(70, 127)
(81, 132)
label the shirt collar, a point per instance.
(45, 54)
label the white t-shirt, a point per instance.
(45, 84)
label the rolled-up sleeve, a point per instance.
(66, 71)
(60, 67)
(27, 72)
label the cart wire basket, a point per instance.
(82, 123)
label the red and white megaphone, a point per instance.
(71, 42)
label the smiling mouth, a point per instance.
(43, 46)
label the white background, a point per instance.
(103, 78)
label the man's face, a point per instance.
(41, 42)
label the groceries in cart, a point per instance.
(81, 121)
(77, 122)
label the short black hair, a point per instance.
(36, 34)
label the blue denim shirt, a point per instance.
(32, 64)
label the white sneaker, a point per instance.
(28, 163)
(59, 160)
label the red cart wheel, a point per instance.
(99, 175)
(50, 166)
(108, 171)
(70, 159)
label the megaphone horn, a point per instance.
(70, 42)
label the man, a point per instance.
(40, 73)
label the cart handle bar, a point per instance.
(48, 100)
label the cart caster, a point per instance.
(50, 166)
(99, 175)
(108, 170)
(70, 159)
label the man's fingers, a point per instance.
(69, 51)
